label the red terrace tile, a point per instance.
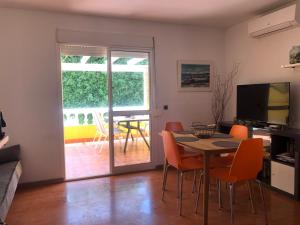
(88, 159)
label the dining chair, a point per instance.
(176, 126)
(239, 132)
(175, 159)
(247, 163)
(102, 131)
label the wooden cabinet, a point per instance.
(285, 170)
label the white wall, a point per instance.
(260, 60)
(30, 83)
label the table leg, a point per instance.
(127, 136)
(143, 137)
(206, 188)
(141, 133)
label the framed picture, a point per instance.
(194, 75)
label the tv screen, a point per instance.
(268, 103)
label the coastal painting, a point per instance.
(194, 75)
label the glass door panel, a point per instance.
(130, 80)
(131, 144)
(85, 107)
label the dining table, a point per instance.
(215, 145)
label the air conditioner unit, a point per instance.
(278, 20)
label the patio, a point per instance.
(86, 160)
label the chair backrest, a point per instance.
(239, 132)
(174, 126)
(99, 121)
(170, 148)
(248, 159)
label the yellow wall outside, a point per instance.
(79, 132)
(89, 131)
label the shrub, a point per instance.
(81, 118)
(90, 118)
(89, 89)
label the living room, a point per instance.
(31, 94)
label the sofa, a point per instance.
(10, 172)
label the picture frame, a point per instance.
(195, 75)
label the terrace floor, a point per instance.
(87, 159)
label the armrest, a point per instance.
(9, 154)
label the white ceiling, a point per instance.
(221, 13)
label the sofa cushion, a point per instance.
(9, 177)
(9, 154)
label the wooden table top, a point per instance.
(206, 145)
(131, 119)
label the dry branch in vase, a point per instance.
(222, 89)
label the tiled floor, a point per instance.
(135, 199)
(88, 159)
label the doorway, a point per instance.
(106, 109)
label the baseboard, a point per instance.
(40, 183)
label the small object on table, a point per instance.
(203, 131)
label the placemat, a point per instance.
(186, 139)
(184, 132)
(226, 144)
(221, 136)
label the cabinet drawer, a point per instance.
(283, 177)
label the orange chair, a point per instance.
(175, 159)
(238, 132)
(176, 126)
(247, 163)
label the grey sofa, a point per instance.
(10, 172)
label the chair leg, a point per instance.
(181, 187)
(231, 186)
(264, 204)
(93, 140)
(178, 184)
(220, 194)
(98, 141)
(132, 137)
(233, 195)
(100, 150)
(194, 181)
(199, 191)
(251, 197)
(165, 175)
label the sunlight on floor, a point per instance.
(87, 160)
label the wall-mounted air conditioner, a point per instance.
(278, 20)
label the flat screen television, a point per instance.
(268, 103)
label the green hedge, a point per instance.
(89, 89)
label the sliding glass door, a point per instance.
(106, 108)
(130, 110)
